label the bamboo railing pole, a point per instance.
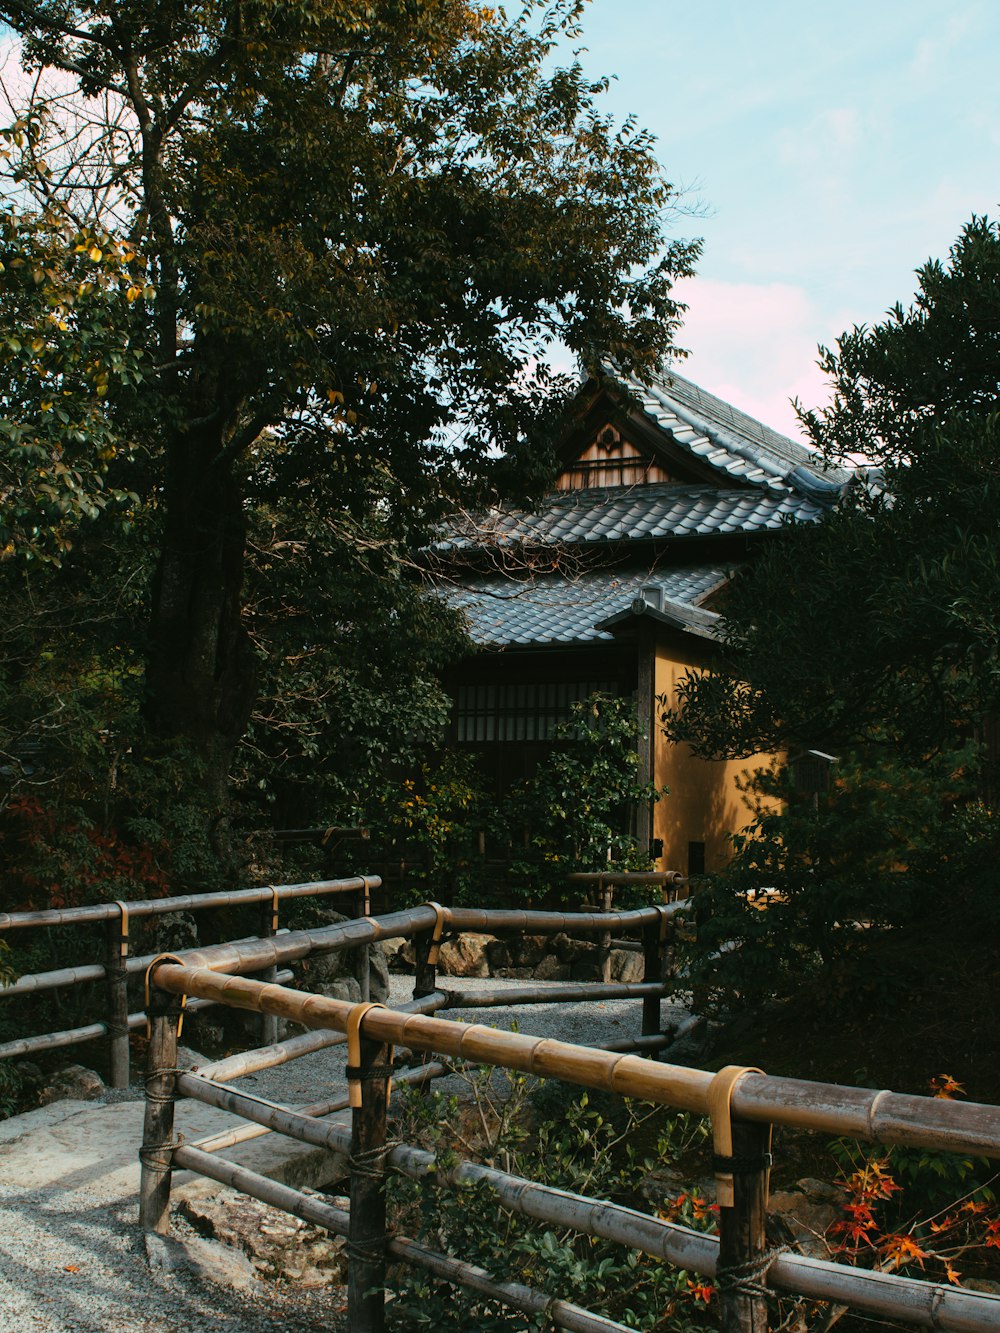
(574, 992)
(267, 1057)
(564, 1313)
(188, 902)
(116, 974)
(156, 1154)
(517, 1295)
(366, 1246)
(860, 1112)
(743, 1256)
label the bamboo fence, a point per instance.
(743, 1105)
(118, 965)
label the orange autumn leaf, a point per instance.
(953, 1275)
(901, 1250)
(701, 1291)
(943, 1085)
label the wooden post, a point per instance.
(362, 968)
(366, 1243)
(605, 902)
(654, 968)
(156, 1154)
(268, 1023)
(742, 1232)
(116, 974)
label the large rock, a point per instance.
(72, 1083)
(806, 1213)
(277, 1245)
(465, 956)
(551, 969)
(322, 973)
(626, 965)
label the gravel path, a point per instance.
(72, 1259)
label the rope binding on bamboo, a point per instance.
(163, 958)
(725, 1165)
(275, 909)
(747, 1279)
(355, 1074)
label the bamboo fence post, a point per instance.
(269, 910)
(367, 1239)
(156, 1154)
(605, 897)
(654, 968)
(743, 1252)
(116, 977)
(362, 967)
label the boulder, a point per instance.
(626, 966)
(74, 1082)
(529, 950)
(399, 955)
(277, 1245)
(465, 956)
(499, 957)
(806, 1213)
(551, 969)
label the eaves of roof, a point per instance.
(661, 511)
(555, 610)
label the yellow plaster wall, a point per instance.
(704, 804)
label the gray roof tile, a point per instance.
(655, 511)
(550, 610)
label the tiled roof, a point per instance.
(735, 444)
(634, 513)
(555, 609)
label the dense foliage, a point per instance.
(880, 625)
(874, 636)
(362, 226)
(288, 276)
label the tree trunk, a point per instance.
(201, 672)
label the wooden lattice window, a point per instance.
(528, 711)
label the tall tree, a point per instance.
(364, 223)
(883, 622)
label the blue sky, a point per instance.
(836, 148)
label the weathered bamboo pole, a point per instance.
(579, 992)
(564, 1313)
(267, 1057)
(653, 970)
(52, 1041)
(156, 1154)
(33, 982)
(189, 902)
(317, 1110)
(629, 878)
(366, 1244)
(884, 1294)
(859, 1112)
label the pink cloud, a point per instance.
(754, 344)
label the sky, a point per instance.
(833, 149)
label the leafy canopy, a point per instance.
(881, 623)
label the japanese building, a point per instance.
(614, 584)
